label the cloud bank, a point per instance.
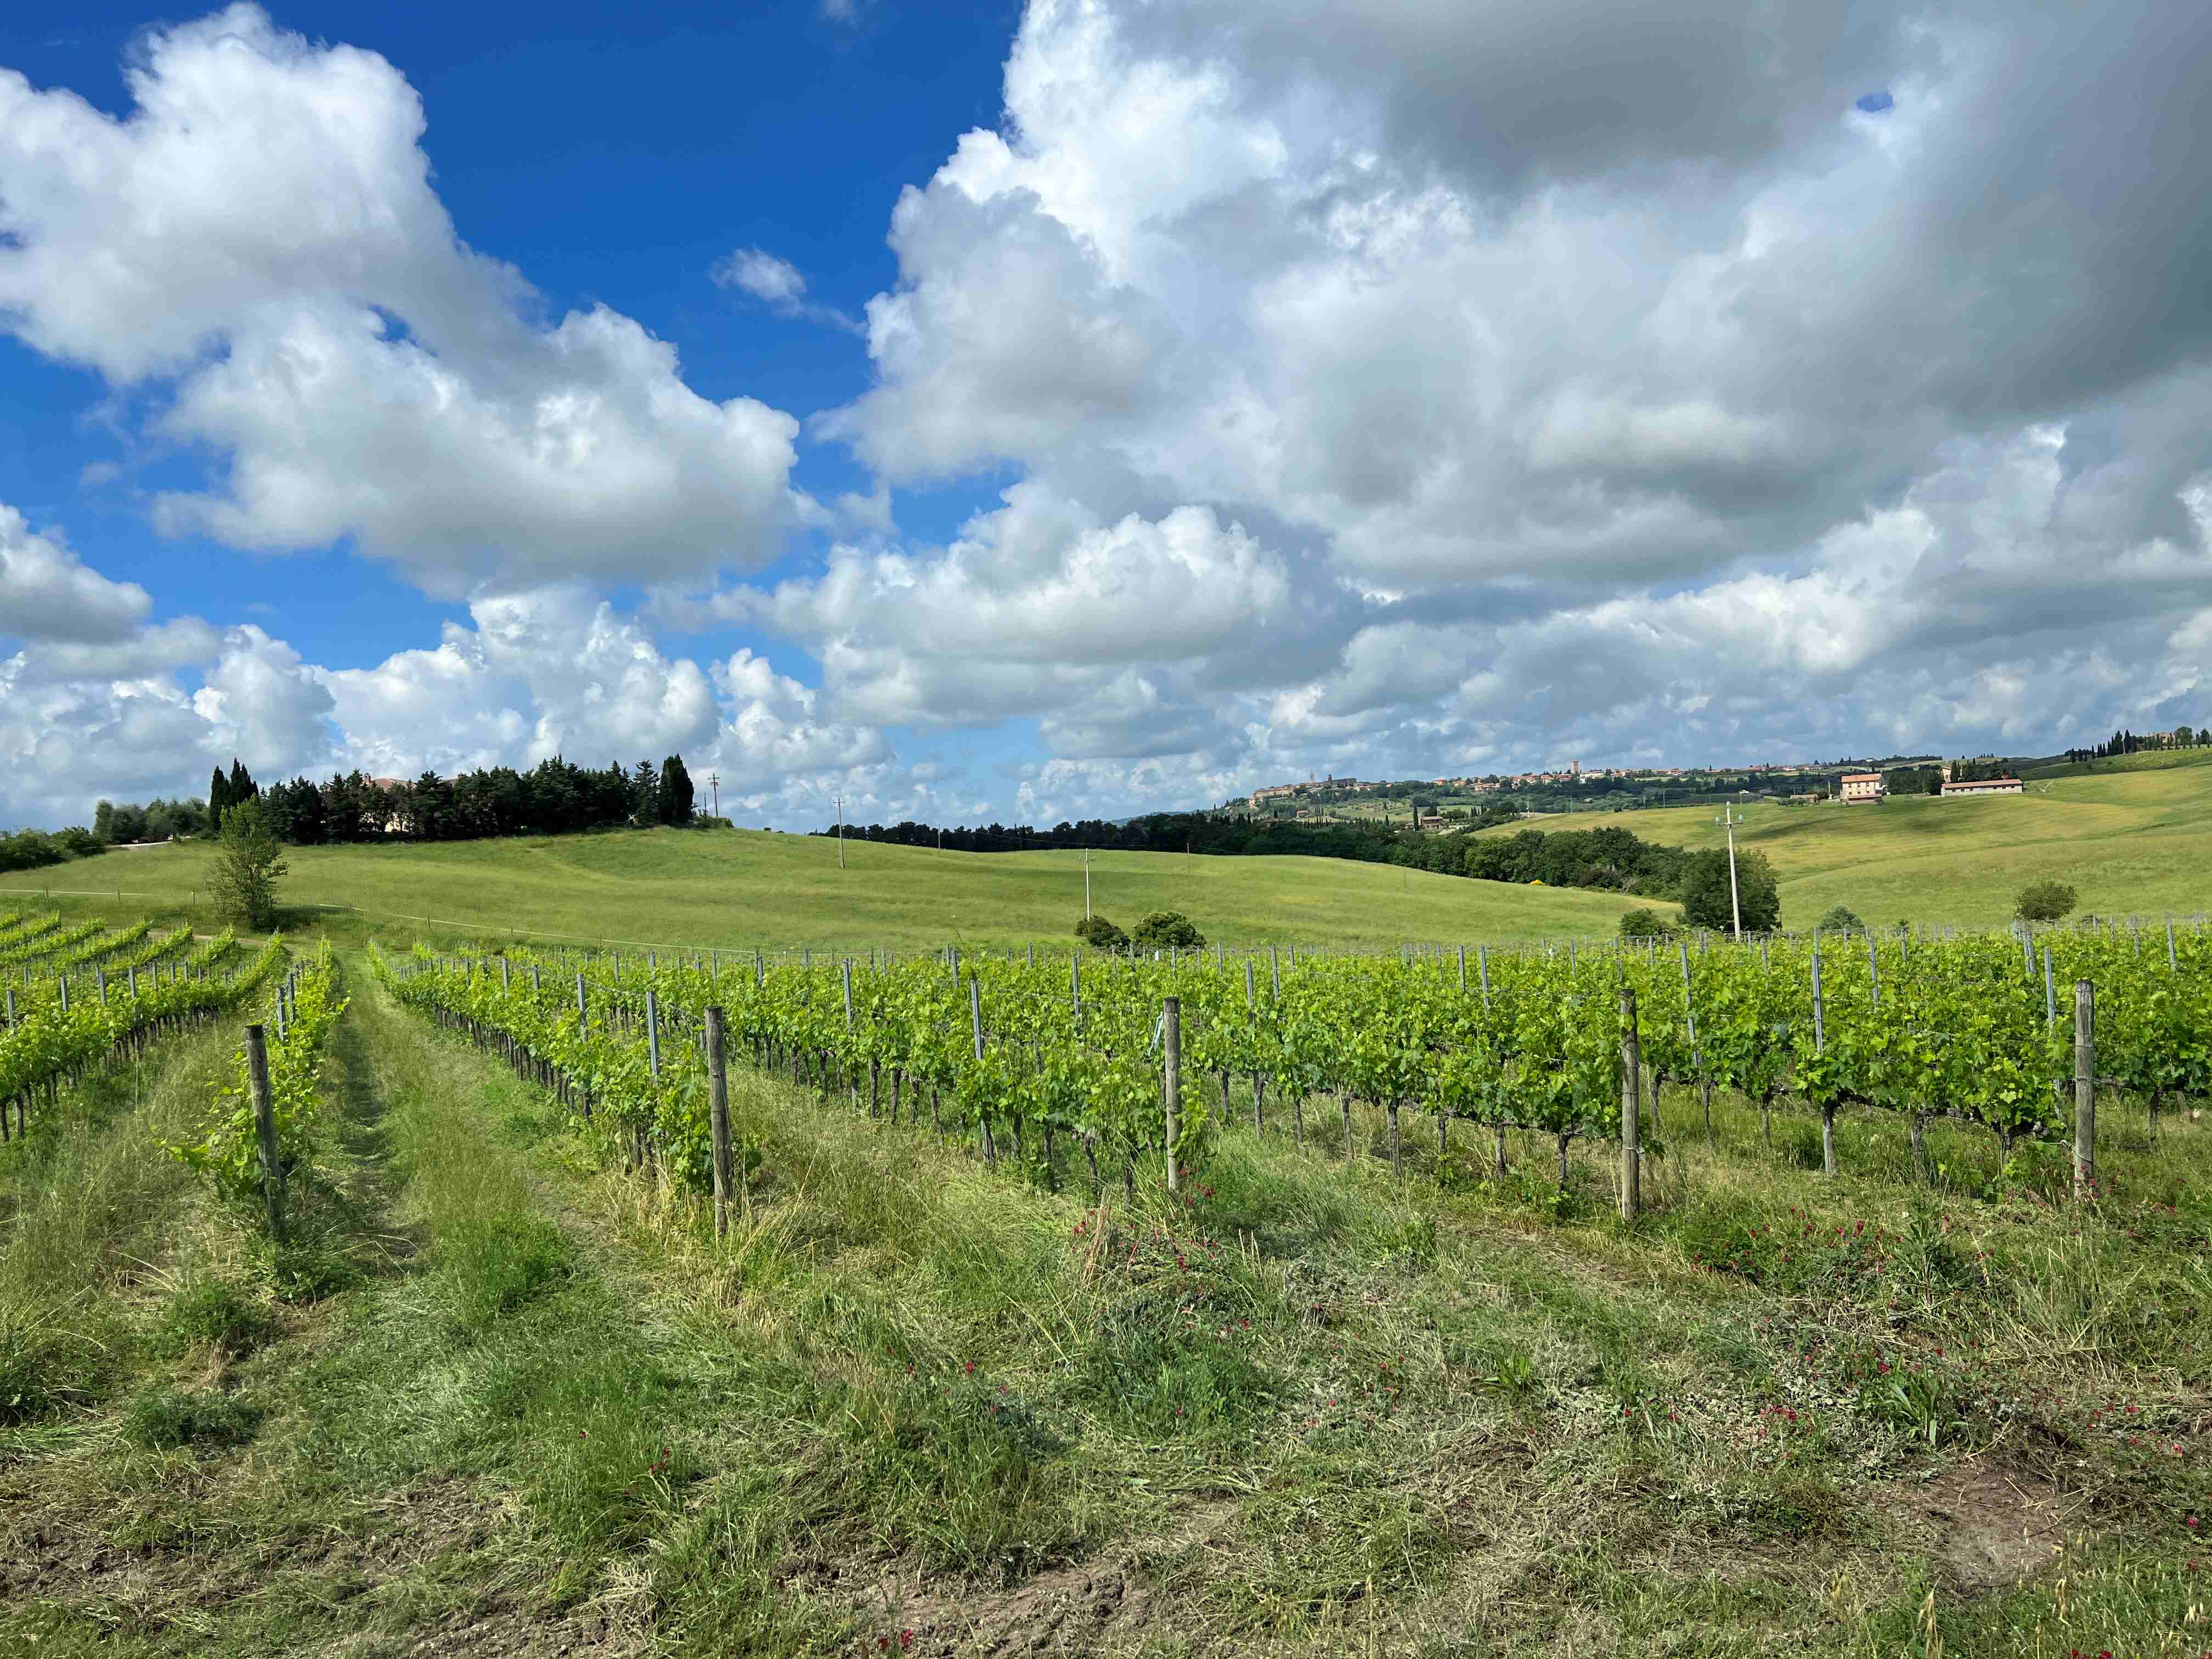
(1387, 386)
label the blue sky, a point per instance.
(680, 133)
(1031, 411)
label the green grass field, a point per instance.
(2132, 836)
(747, 888)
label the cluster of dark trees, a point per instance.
(1914, 779)
(1240, 835)
(998, 838)
(1174, 832)
(2124, 742)
(1977, 771)
(157, 820)
(227, 790)
(34, 849)
(1612, 859)
(552, 799)
(1159, 931)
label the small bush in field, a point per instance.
(1101, 934)
(1168, 929)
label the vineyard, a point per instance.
(1126, 1059)
(50, 1041)
(1840, 1295)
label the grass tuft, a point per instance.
(500, 1263)
(166, 1420)
(220, 1314)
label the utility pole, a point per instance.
(714, 782)
(1086, 884)
(840, 832)
(1736, 906)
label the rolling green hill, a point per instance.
(745, 888)
(2131, 836)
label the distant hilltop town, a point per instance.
(1447, 802)
(1492, 783)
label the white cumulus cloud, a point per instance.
(260, 233)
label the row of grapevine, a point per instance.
(1008, 1049)
(50, 1041)
(637, 1085)
(1111, 1098)
(158, 958)
(16, 927)
(44, 940)
(255, 1136)
(44, 951)
(99, 948)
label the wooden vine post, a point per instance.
(264, 1121)
(852, 1079)
(718, 1120)
(1631, 1125)
(2085, 1091)
(975, 1029)
(1171, 1078)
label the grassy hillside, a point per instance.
(2134, 836)
(2150, 760)
(750, 888)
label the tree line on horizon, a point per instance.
(2124, 742)
(552, 799)
(1604, 860)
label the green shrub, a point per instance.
(1708, 901)
(2044, 901)
(1842, 920)
(1166, 929)
(1101, 934)
(1644, 922)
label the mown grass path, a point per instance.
(435, 1455)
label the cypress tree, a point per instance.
(218, 798)
(675, 805)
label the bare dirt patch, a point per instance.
(82, 1560)
(1087, 1607)
(1072, 1609)
(508, 1632)
(1989, 1524)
